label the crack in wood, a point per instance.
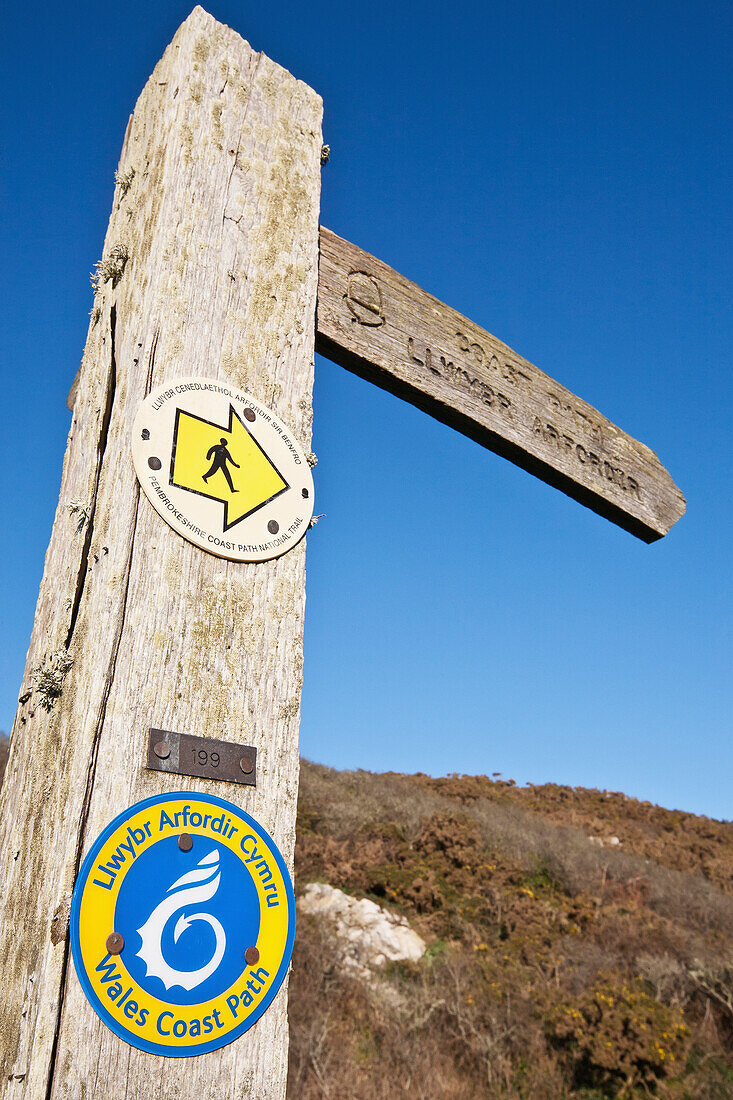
(225, 216)
(104, 431)
(101, 448)
(151, 361)
(90, 785)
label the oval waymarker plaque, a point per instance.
(180, 948)
(222, 469)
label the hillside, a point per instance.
(557, 966)
(579, 944)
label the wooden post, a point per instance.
(209, 268)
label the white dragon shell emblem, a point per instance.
(206, 875)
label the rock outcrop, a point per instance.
(367, 935)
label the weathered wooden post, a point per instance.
(209, 269)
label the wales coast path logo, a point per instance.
(182, 923)
(222, 469)
(207, 876)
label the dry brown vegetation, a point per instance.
(556, 968)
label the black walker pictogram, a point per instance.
(221, 457)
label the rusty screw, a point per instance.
(252, 956)
(247, 765)
(154, 463)
(162, 750)
(185, 842)
(273, 527)
(249, 414)
(115, 943)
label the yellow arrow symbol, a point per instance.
(225, 464)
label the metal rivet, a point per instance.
(185, 842)
(162, 750)
(115, 943)
(247, 765)
(305, 494)
(249, 414)
(252, 956)
(154, 463)
(145, 433)
(273, 527)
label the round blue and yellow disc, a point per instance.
(206, 930)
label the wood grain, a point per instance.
(386, 329)
(210, 268)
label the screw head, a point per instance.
(249, 414)
(145, 434)
(247, 765)
(154, 463)
(162, 750)
(115, 943)
(273, 527)
(252, 956)
(304, 493)
(185, 842)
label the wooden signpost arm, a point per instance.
(386, 329)
(209, 268)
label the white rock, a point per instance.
(604, 842)
(369, 936)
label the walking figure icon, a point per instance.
(226, 464)
(220, 458)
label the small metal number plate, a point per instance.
(205, 757)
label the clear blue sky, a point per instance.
(560, 172)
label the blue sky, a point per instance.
(559, 172)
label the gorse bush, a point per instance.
(617, 1037)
